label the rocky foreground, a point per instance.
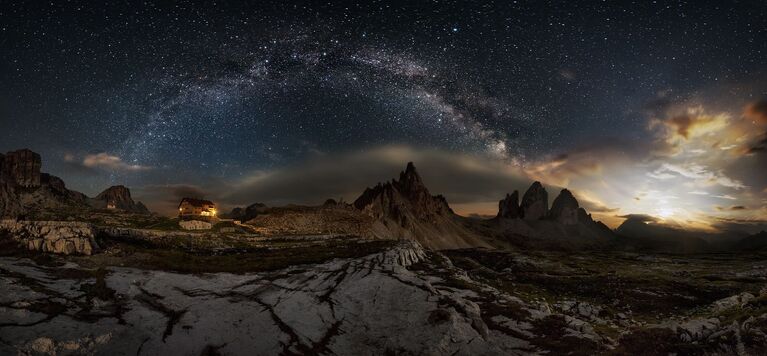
(400, 300)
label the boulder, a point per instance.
(509, 207)
(535, 202)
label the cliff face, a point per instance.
(535, 202)
(24, 190)
(566, 224)
(509, 207)
(565, 208)
(404, 208)
(62, 237)
(23, 167)
(9, 203)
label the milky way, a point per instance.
(230, 88)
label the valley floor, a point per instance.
(387, 298)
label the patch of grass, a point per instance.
(651, 290)
(232, 261)
(167, 224)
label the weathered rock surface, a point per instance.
(509, 207)
(535, 202)
(10, 206)
(404, 300)
(119, 196)
(195, 225)
(52, 236)
(564, 209)
(23, 167)
(363, 306)
(404, 208)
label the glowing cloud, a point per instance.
(106, 161)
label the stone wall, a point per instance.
(61, 237)
(195, 225)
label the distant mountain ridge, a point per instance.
(25, 190)
(402, 208)
(648, 234)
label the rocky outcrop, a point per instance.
(247, 213)
(118, 197)
(535, 202)
(56, 186)
(22, 167)
(509, 207)
(24, 191)
(404, 208)
(390, 199)
(565, 226)
(10, 206)
(52, 236)
(565, 209)
(195, 225)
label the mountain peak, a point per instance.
(565, 208)
(535, 202)
(409, 179)
(410, 168)
(119, 196)
(509, 206)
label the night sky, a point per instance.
(641, 108)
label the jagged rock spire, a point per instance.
(535, 202)
(564, 209)
(410, 180)
(509, 207)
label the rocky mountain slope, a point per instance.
(756, 242)
(641, 233)
(26, 191)
(404, 208)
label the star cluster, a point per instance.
(229, 88)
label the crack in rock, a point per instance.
(152, 301)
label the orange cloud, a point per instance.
(109, 162)
(692, 123)
(757, 112)
(562, 169)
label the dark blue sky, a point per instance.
(165, 90)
